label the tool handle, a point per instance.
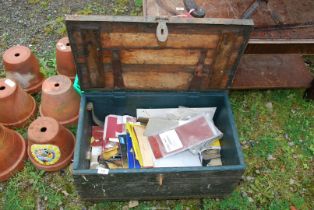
(197, 12)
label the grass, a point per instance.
(277, 142)
(285, 133)
(276, 133)
(32, 188)
(55, 26)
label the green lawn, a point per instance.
(277, 137)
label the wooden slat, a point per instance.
(148, 40)
(143, 74)
(218, 73)
(164, 56)
(157, 80)
(222, 69)
(154, 68)
(146, 186)
(151, 80)
(80, 59)
(94, 56)
(198, 72)
(117, 69)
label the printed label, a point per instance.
(45, 154)
(102, 170)
(171, 140)
(9, 82)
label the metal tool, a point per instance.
(252, 9)
(90, 107)
(193, 9)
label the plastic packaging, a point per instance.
(161, 120)
(191, 133)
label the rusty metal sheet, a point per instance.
(303, 46)
(272, 71)
(291, 21)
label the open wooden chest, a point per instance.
(125, 63)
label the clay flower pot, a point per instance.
(64, 58)
(12, 152)
(21, 65)
(16, 106)
(59, 100)
(50, 145)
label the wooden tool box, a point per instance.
(125, 63)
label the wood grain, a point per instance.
(157, 80)
(143, 80)
(220, 72)
(161, 56)
(94, 57)
(148, 40)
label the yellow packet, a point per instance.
(136, 147)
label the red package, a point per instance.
(97, 134)
(183, 137)
(115, 126)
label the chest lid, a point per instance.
(156, 53)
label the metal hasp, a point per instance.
(162, 30)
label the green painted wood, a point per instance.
(185, 182)
(148, 186)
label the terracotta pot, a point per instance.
(50, 145)
(59, 100)
(21, 65)
(64, 58)
(16, 106)
(12, 152)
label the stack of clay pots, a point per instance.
(50, 145)
(16, 108)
